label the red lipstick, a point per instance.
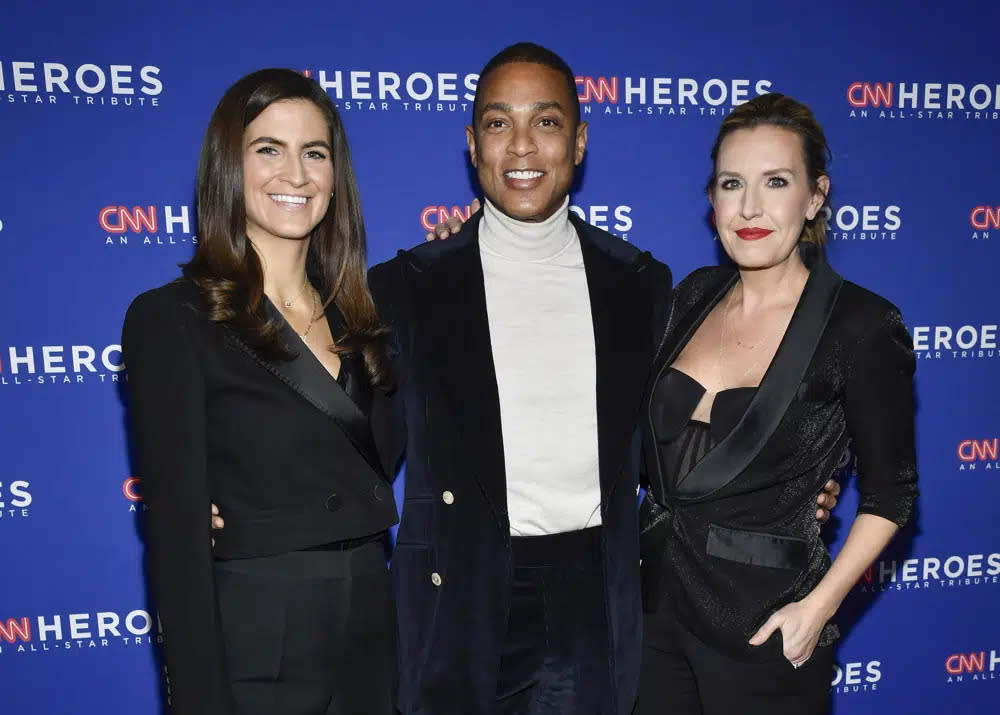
(753, 234)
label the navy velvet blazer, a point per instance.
(452, 564)
(738, 538)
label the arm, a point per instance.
(879, 412)
(388, 415)
(167, 415)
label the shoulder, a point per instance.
(863, 312)
(177, 301)
(700, 282)
(617, 251)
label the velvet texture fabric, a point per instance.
(738, 539)
(280, 446)
(452, 568)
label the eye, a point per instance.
(494, 124)
(268, 150)
(316, 154)
(729, 184)
(777, 182)
(548, 122)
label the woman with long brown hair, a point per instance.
(258, 382)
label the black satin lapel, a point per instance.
(727, 460)
(466, 375)
(620, 324)
(307, 376)
(681, 333)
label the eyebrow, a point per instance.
(536, 107)
(279, 142)
(770, 172)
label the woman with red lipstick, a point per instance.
(257, 381)
(770, 368)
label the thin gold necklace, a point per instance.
(727, 309)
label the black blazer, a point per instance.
(740, 539)
(452, 564)
(279, 445)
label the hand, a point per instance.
(827, 500)
(452, 225)
(800, 623)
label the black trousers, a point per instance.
(682, 675)
(556, 654)
(310, 632)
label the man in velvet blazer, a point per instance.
(453, 564)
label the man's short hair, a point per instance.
(536, 54)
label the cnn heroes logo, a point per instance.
(665, 96)
(983, 220)
(148, 225)
(363, 90)
(15, 500)
(86, 84)
(972, 667)
(61, 365)
(863, 223)
(614, 219)
(923, 100)
(976, 454)
(954, 571)
(964, 342)
(78, 631)
(856, 677)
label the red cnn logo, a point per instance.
(870, 94)
(598, 90)
(433, 215)
(960, 663)
(131, 489)
(119, 219)
(985, 217)
(21, 629)
(979, 450)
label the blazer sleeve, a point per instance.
(880, 417)
(167, 413)
(388, 415)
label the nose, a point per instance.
(750, 203)
(295, 171)
(522, 143)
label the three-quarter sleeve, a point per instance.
(879, 409)
(168, 418)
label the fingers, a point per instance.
(217, 521)
(475, 205)
(766, 630)
(832, 486)
(822, 516)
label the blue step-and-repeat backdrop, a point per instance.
(102, 110)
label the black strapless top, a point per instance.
(685, 441)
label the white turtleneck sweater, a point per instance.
(542, 337)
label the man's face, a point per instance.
(526, 141)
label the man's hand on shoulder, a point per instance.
(452, 225)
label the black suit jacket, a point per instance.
(740, 539)
(280, 446)
(452, 565)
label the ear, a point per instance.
(818, 197)
(581, 143)
(470, 139)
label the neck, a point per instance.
(283, 264)
(526, 240)
(782, 283)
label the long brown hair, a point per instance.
(779, 110)
(226, 267)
